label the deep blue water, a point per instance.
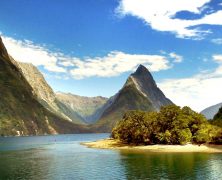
(62, 157)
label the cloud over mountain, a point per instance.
(198, 91)
(28, 52)
(116, 63)
(113, 64)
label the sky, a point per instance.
(90, 47)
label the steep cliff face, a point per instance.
(140, 92)
(145, 83)
(86, 107)
(20, 112)
(40, 87)
(78, 109)
(45, 94)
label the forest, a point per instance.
(171, 125)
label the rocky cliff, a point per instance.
(140, 92)
(20, 112)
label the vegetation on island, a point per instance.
(217, 120)
(171, 125)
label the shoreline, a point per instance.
(117, 145)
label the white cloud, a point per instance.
(116, 63)
(26, 51)
(217, 41)
(199, 91)
(160, 15)
(177, 58)
(217, 58)
(113, 64)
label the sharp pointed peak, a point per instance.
(3, 51)
(141, 69)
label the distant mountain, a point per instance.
(85, 107)
(78, 109)
(140, 92)
(45, 94)
(20, 112)
(210, 112)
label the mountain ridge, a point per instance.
(139, 92)
(85, 107)
(45, 93)
(20, 112)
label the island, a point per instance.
(118, 145)
(172, 129)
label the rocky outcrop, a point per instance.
(140, 92)
(45, 94)
(20, 112)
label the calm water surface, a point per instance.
(62, 157)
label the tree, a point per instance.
(172, 125)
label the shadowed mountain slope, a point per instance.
(20, 112)
(140, 92)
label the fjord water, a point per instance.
(62, 157)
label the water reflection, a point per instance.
(22, 165)
(62, 157)
(171, 166)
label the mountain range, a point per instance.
(30, 106)
(20, 111)
(85, 107)
(140, 92)
(77, 109)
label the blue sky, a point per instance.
(89, 47)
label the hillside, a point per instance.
(20, 112)
(45, 94)
(85, 107)
(140, 92)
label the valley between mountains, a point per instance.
(29, 106)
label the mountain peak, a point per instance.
(141, 69)
(3, 51)
(146, 85)
(143, 74)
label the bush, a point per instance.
(172, 125)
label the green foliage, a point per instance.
(129, 98)
(218, 116)
(172, 125)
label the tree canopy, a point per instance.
(171, 125)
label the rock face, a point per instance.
(140, 92)
(211, 111)
(45, 94)
(20, 112)
(85, 107)
(78, 109)
(145, 83)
